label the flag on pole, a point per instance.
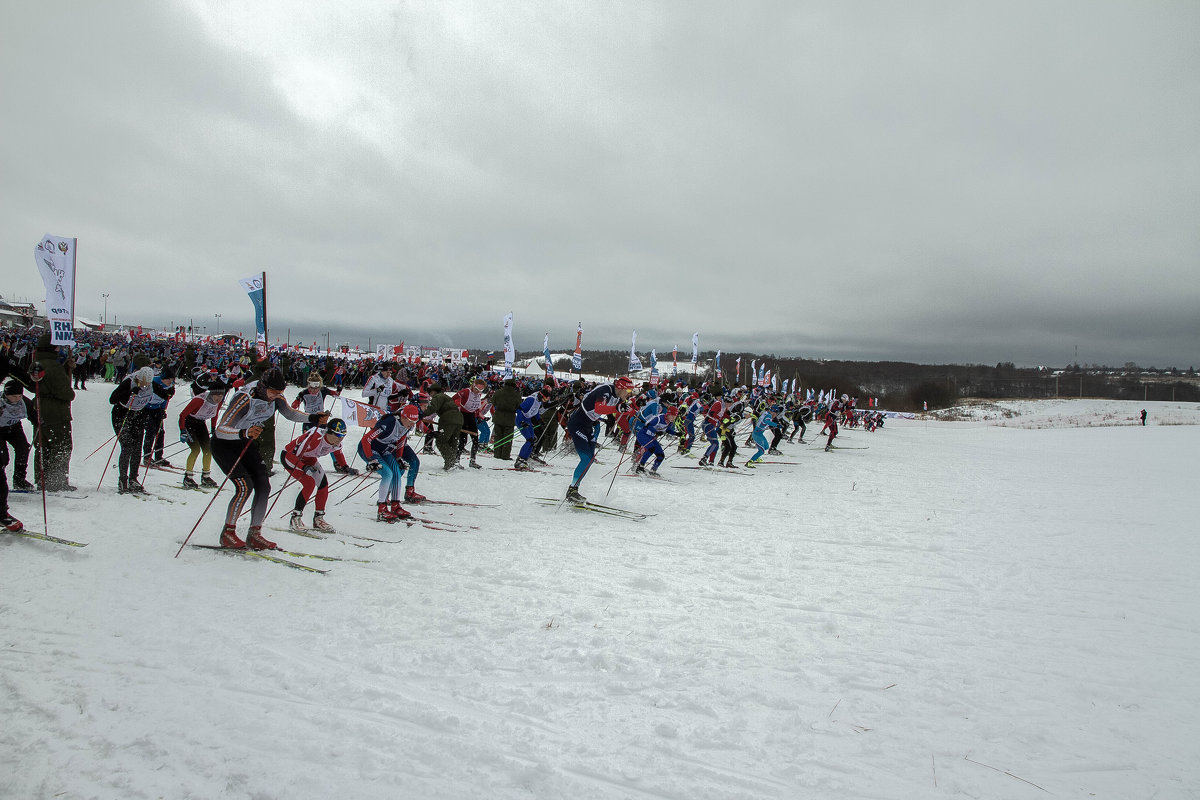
(256, 288)
(577, 358)
(653, 367)
(675, 359)
(55, 259)
(509, 353)
(635, 363)
(695, 349)
(546, 358)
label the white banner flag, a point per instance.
(364, 415)
(695, 347)
(55, 258)
(510, 354)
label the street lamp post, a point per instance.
(104, 319)
(218, 316)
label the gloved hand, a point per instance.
(186, 437)
(373, 465)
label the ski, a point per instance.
(790, 463)
(324, 537)
(650, 475)
(46, 538)
(842, 447)
(56, 495)
(262, 555)
(455, 503)
(589, 505)
(314, 555)
(621, 513)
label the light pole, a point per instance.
(218, 316)
(104, 319)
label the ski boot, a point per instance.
(207, 482)
(296, 522)
(573, 495)
(230, 539)
(122, 485)
(255, 540)
(319, 523)
(136, 488)
(751, 464)
(398, 511)
(189, 482)
(345, 469)
(162, 462)
(473, 464)
(22, 485)
(411, 496)
(539, 461)
(11, 523)
(521, 464)
(773, 452)
(640, 469)
(383, 515)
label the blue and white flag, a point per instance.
(653, 365)
(546, 357)
(256, 287)
(695, 348)
(762, 374)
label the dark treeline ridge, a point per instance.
(904, 386)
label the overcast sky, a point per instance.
(934, 182)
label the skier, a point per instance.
(728, 436)
(379, 449)
(652, 424)
(301, 458)
(242, 422)
(156, 415)
(599, 402)
(711, 429)
(14, 408)
(194, 421)
(129, 401)
(379, 386)
(470, 402)
(313, 400)
(529, 414)
(830, 425)
(759, 436)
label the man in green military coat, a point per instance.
(52, 442)
(450, 422)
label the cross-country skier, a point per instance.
(312, 398)
(529, 414)
(242, 422)
(194, 421)
(582, 426)
(301, 458)
(759, 436)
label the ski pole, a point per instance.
(101, 447)
(214, 497)
(117, 440)
(41, 460)
(615, 472)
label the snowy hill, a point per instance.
(959, 610)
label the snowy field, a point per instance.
(1000, 607)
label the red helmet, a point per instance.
(410, 412)
(623, 382)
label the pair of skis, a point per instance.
(597, 508)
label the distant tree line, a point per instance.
(904, 386)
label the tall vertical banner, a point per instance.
(547, 359)
(737, 365)
(674, 360)
(653, 367)
(256, 288)
(55, 259)
(635, 363)
(509, 353)
(577, 358)
(695, 350)
(717, 365)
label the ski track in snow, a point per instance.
(961, 601)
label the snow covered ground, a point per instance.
(964, 609)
